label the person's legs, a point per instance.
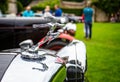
(90, 30)
(86, 30)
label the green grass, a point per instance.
(60, 75)
(103, 52)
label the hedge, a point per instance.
(74, 0)
(4, 6)
(77, 12)
(25, 2)
(19, 7)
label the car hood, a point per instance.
(5, 60)
(22, 70)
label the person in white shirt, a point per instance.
(47, 12)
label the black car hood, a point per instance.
(21, 21)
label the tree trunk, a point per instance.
(12, 8)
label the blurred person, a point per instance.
(58, 11)
(47, 12)
(70, 29)
(48, 9)
(83, 22)
(88, 14)
(83, 18)
(112, 19)
(19, 14)
(118, 16)
(28, 12)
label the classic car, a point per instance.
(66, 65)
(13, 30)
(34, 64)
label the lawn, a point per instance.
(103, 52)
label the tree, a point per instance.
(108, 6)
(25, 2)
(19, 7)
(3, 5)
(74, 0)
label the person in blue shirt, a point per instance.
(28, 12)
(88, 14)
(58, 11)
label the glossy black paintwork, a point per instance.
(13, 30)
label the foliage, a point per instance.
(37, 8)
(77, 12)
(3, 5)
(25, 2)
(40, 6)
(102, 52)
(74, 0)
(108, 6)
(51, 3)
(19, 7)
